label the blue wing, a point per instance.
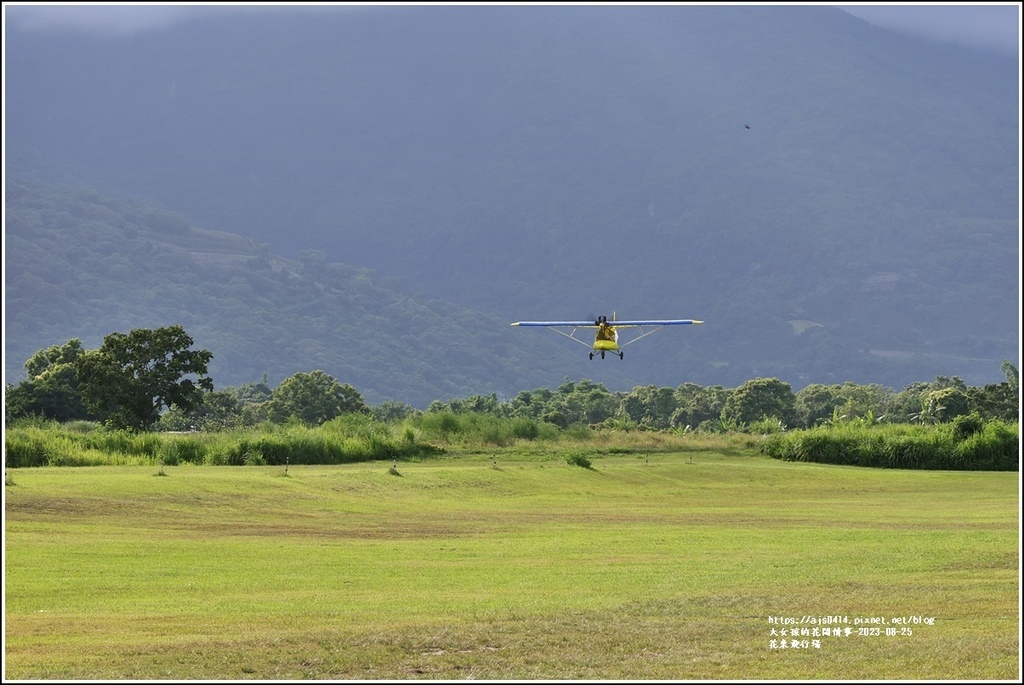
(574, 324)
(655, 322)
(591, 324)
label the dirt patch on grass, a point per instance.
(358, 531)
(26, 508)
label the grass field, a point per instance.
(494, 565)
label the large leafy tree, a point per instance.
(217, 410)
(998, 400)
(945, 404)
(650, 405)
(133, 376)
(51, 390)
(698, 406)
(313, 398)
(761, 398)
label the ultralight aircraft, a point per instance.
(607, 336)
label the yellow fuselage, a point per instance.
(607, 339)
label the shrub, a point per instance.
(577, 458)
(525, 429)
(966, 425)
(576, 431)
(440, 425)
(767, 426)
(994, 448)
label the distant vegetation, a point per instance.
(311, 418)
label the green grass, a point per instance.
(508, 565)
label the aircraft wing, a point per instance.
(654, 322)
(574, 324)
(616, 324)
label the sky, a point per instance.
(991, 26)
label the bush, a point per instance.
(994, 448)
(440, 425)
(575, 433)
(525, 429)
(767, 426)
(577, 458)
(966, 425)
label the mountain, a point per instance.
(80, 265)
(525, 162)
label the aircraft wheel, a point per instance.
(591, 355)
(602, 354)
(621, 355)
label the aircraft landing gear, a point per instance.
(620, 355)
(591, 355)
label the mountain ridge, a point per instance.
(557, 162)
(258, 313)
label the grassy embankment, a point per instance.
(666, 563)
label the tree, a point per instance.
(52, 389)
(998, 400)
(649, 405)
(256, 392)
(945, 404)
(816, 404)
(761, 398)
(47, 359)
(133, 376)
(819, 403)
(313, 398)
(390, 411)
(906, 405)
(697, 405)
(994, 401)
(218, 410)
(1012, 376)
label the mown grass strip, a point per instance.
(478, 566)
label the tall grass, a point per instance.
(49, 444)
(475, 428)
(984, 446)
(961, 445)
(344, 440)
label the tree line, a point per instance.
(151, 378)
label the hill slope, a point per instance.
(561, 162)
(80, 266)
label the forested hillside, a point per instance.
(79, 265)
(838, 203)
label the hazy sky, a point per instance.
(993, 25)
